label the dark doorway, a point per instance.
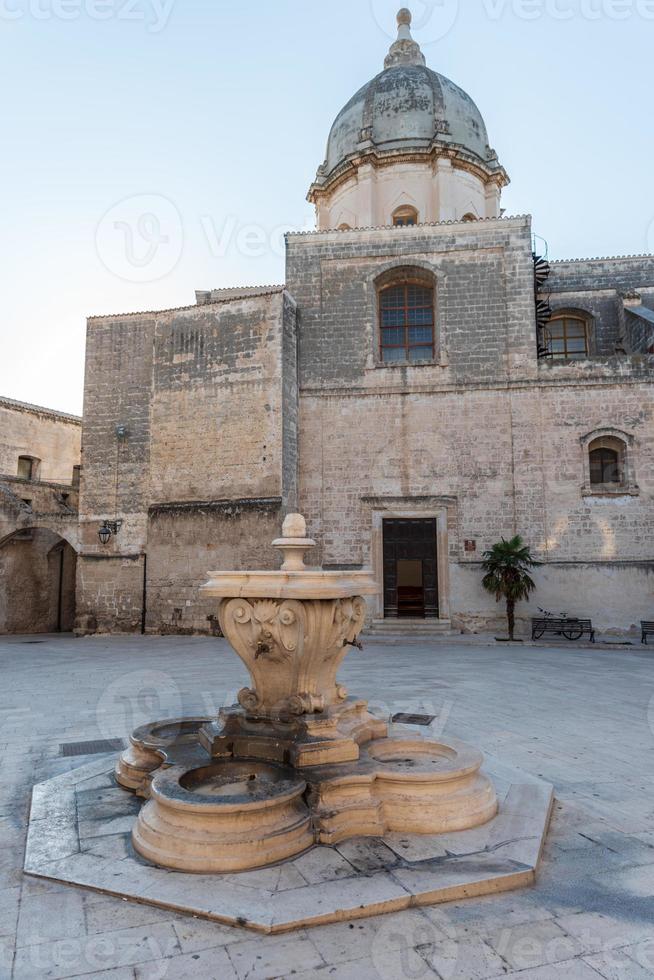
(410, 569)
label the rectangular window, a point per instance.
(25, 467)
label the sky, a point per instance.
(156, 147)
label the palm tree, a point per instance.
(507, 576)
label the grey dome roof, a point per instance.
(407, 107)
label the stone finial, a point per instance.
(293, 543)
(405, 51)
(294, 526)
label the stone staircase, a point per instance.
(409, 627)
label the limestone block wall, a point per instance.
(51, 437)
(187, 412)
(186, 542)
(485, 439)
(598, 287)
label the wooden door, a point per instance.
(410, 569)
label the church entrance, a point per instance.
(410, 569)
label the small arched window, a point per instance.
(469, 217)
(405, 216)
(609, 463)
(566, 337)
(344, 227)
(406, 320)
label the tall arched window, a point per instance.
(566, 336)
(405, 216)
(406, 319)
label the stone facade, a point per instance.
(249, 405)
(487, 438)
(204, 425)
(39, 476)
(190, 441)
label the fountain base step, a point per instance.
(238, 814)
(352, 880)
(329, 737)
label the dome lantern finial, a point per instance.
(405, 51)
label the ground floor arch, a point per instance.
(37, 582)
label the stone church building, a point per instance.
(423, 384)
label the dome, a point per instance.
(407, 107)
(409, 139)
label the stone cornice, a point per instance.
(378, 159)
(50, 413)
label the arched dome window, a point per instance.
(406, 317)
(469, 217)
(405, 215)
(567, 336)
(344, 227)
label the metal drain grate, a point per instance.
(95, 747)
(402, 719)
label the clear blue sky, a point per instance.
(214, 115)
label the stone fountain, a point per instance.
(298, 762)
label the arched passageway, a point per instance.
(37, 582)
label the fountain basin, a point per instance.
(230, 815)
(149, 748)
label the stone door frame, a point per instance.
(412, 509)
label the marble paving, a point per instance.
(579, 719)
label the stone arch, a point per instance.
(38, 567)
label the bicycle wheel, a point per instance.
(573, 633)
(538, 633)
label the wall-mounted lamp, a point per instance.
(107, 529)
